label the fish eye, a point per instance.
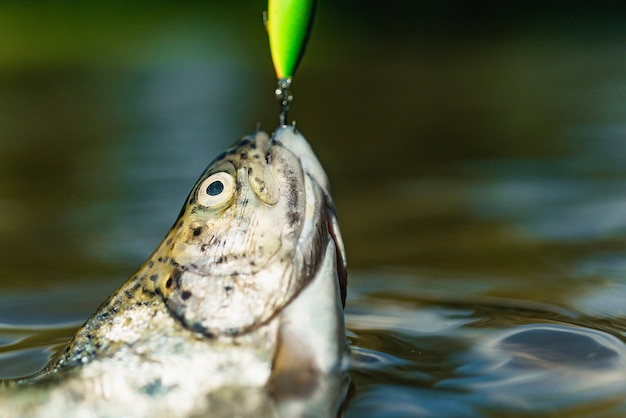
(216, 190)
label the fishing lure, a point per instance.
(288, 24)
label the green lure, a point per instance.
(288, 24)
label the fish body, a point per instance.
(239, 311)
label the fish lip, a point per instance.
(291, 139)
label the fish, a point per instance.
(239, 310)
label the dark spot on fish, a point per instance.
(219, 260)
(157, 291)
(256, 156)
(249, 170)
(238, 186)
(136, 286)
(293, 217)
(232, 332)
(154, 278)
(228, 289)
(194, 210)
(181, 223)
(185, 295)
(197, 231)
(176, 275)
(268, 158)
(192, 199)
(243, 155)
(168, 242)
(262, 185)
(147, 291)
(193, 266)
(150, 264)
(253, 145)
(201, 330)
(168, 283)
(293, 193)
(153, 388)
(136, 279)
(128, 294)
(203, 247)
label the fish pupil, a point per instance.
(215, 188)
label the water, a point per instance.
(479, 177)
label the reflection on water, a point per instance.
(478, 357)
(480, 183)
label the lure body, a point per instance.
(288, 26)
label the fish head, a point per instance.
(250, 235)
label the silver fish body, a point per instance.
(238, 312)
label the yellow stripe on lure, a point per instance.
(288, 26)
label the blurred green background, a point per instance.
(95, 97)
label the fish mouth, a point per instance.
(289, 137)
